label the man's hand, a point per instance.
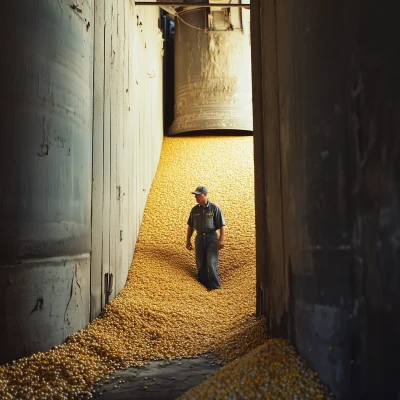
(188, 237)
(221, 243)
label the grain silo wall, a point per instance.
(127, 138)
(82, 134)
(45, 173)
(327, 162)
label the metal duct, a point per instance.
(212, 70)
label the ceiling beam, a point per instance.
(184, 4)
(169, 9)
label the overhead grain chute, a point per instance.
(212, 68)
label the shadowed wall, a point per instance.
(327, 165)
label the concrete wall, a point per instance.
(46, 78)
(82, 89)
(128, 134)
(327, 165)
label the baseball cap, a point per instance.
(200, 190)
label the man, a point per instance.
(206, 218)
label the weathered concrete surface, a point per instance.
(158, 380)
(73, 77)
(43, 302)
(327, 166)
(127, 135)
(46, 78)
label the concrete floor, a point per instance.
(158, 380)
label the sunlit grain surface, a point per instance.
(163, 312)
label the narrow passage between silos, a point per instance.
(163, 313)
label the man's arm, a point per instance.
(188, 237)
(221, 239)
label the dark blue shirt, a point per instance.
(207, 219)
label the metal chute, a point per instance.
(212, 69)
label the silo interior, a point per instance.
(109, 123)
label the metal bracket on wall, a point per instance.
(259, 300)
(108, 286)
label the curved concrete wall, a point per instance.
(45, 173)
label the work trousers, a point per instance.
(207, 260)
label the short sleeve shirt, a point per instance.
(207, 219)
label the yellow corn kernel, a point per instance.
(163, 313)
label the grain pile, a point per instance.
(271, 371)
(163, 312)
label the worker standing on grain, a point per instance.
(206, 218)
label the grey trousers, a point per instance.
(207, 260)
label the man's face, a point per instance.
(201, 198)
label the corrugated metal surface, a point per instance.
(45, 173)
(128, 134)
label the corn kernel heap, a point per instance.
(163, 312)
(271, 371)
